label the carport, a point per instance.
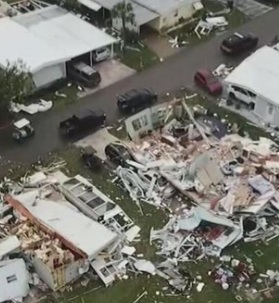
(46, 39)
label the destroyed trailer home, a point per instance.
(39, 224)
(58, 249)
(232, 179)
(199, 165)
(194, 233)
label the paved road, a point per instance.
(173, 73)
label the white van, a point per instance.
(101, 54)
(241, 94)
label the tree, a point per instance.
(15, 84)
(124, 11)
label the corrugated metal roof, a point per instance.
(88, 236)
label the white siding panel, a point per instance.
(262, 109)
(48, 75)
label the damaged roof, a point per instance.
(87, 235)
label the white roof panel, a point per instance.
(19, 43)
(155, 6)
(48, 36)
(165, 6)
(259, 73)
(8, 245)
(90, 4)
(142, 14)
(87, 235)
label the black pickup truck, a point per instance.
(78, 124)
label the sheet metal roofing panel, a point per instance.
(87, 235)
(65, 31)
(19, 43)
(70, 35)
(164, 6)
(8, 245)
(142, 14)
(259, 73)
(90, 4)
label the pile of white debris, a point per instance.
(228, 183)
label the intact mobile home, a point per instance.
(256, 82)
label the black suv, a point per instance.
(136, 99)
(85, 121)
(238, 43)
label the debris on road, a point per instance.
(31, 109)
(205, 27)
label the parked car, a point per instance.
(22, 130)
(244, 95)
(136, 99)
(207, 81)
(238, 43)
(84, 74)
(101, 54)
(86, 121)
(117, 153)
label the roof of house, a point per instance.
(142, 13)
(48, 36)
(147, 10)
(157, 6)
(259, 73)
(164, 6)
(87, 235)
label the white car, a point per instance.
(101, 54)
(241, 94)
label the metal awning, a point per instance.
(90, 4)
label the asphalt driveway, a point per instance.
(173, 73)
